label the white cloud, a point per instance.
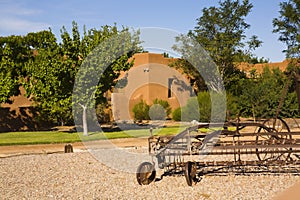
(17, 19)
(17, 10)
(21, 25)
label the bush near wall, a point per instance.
(159, 110)
(141, 111)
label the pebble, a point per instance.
(80, 176)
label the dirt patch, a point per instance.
(8, 151)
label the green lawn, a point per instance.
(48, 137)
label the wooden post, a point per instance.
(68, 148)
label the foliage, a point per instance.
(21, 51)
(47, 69)
(221, 32)
(211, 106)
(8, 81)
(50, 78)
(141, 111)
(204, 106)
(15, 53)
(260, 97)
(287, 25)
(176, 115)
(159, 110)
(200, 108)
(290, 108)
(197, 108)
(100, 70)
(232, 106)
(190, 111)
(103, 113)
(104, 64)
(165, 105)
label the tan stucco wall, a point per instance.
(148, 79)
(259, 67)
(149, 93)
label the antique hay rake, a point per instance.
(274, 148)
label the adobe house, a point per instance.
(246, 67)
(150, 78)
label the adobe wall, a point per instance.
(148, 79)
(246, 67)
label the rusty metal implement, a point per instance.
(272, 145)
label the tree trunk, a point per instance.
(253, 113)
(84, 120)
(297, 89)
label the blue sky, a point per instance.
(19, 17)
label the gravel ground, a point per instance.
(80, 176)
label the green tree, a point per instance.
(49, 79)
(36, 64)
(232, 110)
(101, 67)
(20, 52)
(260, 96)
(15, 52)
(290, 108)
(206, 104)
(250, 99)
(141, 111)
(9, 84)
(221, 32)
(287, 25)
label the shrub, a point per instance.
(176, 115)
(165, 105)
(157, 112)
(103, 113)
(141, 111)
(204, 103)
(199, 108)
(190, 112)
(232, 106)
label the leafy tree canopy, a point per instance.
(221, 32)
(47, 69)
(288, 26)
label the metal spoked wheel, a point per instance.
(190, 172)
(274, 132)
(145, 173)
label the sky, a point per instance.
(18, 17)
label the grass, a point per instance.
(51, 137)
(43, 137)
(206, 130)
